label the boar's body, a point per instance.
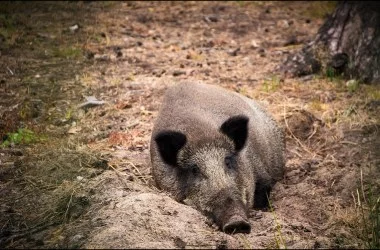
(216, 150)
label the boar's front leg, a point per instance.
(262, 192)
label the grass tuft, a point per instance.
(279, 239)
(22, 136)
(368, 206)
(271, 84)
(68, 52)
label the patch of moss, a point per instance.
(320, 9)
(22, 136)
(7, 23)
(332, 75)
(67, 52)
(69, 114)
(7, 30)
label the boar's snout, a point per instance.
(237, 224)
(230, 212)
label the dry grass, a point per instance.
(320, 9)
(340, 117)
(48, 179)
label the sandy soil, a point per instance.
(84, 181)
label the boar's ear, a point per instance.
(169, 143)
(237, 130)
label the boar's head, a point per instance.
(212, 173)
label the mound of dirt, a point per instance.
(148, 220)
(301, 124)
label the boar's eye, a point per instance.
(194, 169)
(229, 161)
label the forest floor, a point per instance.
(80, 87)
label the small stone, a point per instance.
(254, 44)
(211, 18)
(307, 78)
(283, 24)
(179, 242)
(291, 40)
(101, 57)
(77, 238)
(233, 52)
(297, 225)
(352, 83)
(119, 54)
(91, 101)
(74, 28)
(257, 215)
(178, 72)
(158, 72)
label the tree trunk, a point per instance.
(348, 43)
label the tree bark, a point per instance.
(348, 43)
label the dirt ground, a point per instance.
(79, 177)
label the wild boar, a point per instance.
(216, 150)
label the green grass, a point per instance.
(352, 85)
(331, 74)
(279, 240)
(7, 23)
(271, 84)
(373, 225)
(367, 205)
(69, 114)
(8, 30)
(22, 136)
(67, 52)
(369, 211)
